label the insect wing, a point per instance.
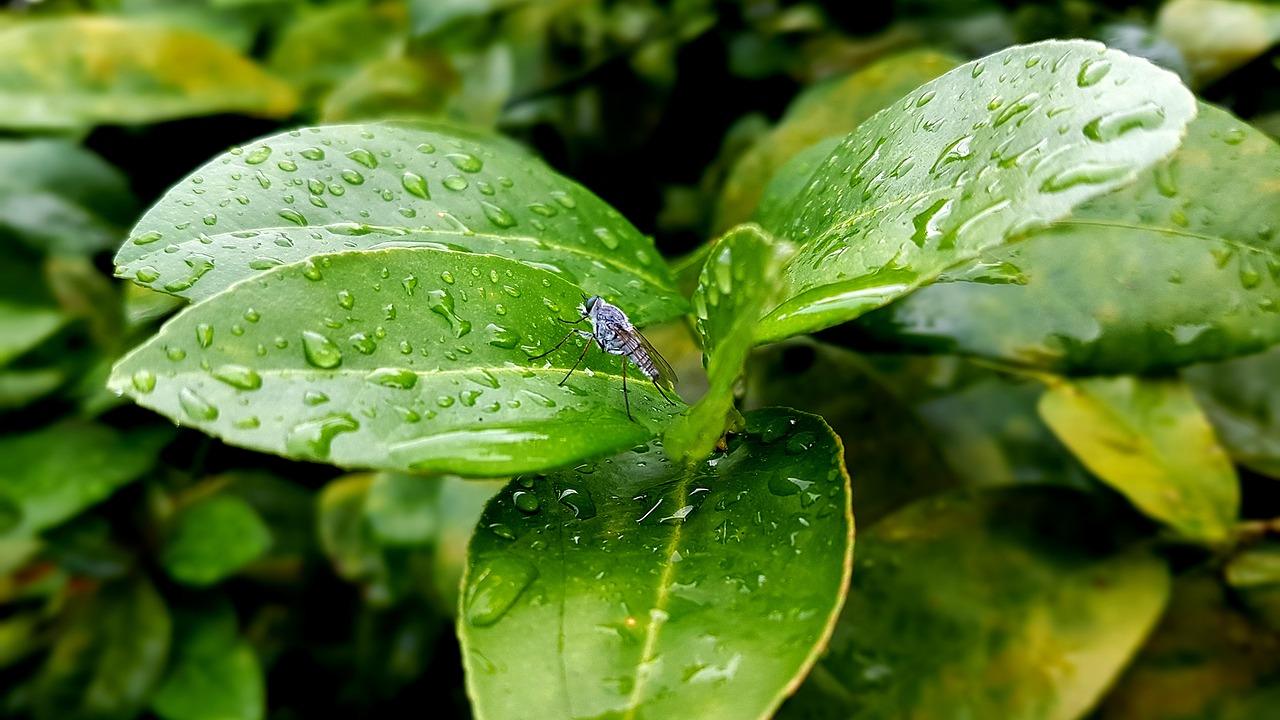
(664, 369)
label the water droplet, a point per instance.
(1234, 136)
(238, 376)
(579, 501)
(800, 442)
(410, 284)
(204, 334)
(175, 353)
(144, 381)
(352, 177)
(502, 337)
(398, 378)
(426, 148)
(447, 277)
(469, 397)
(199, 266)
(346, 300)
(312, 398)
(608, 238)
(956, 151)
(564, 199)
(925, 98)
(1092, 71)
(441, 303)
(293, 216)
(314, 438)
(455, 182)
(497, 215)
(196, 407)
(363, 344)
(543, 210)
(928, 223)
(1106, 128)
(542, 400)
(287, 165)
(445, 401)
(415, 185)
(525, 501)
(1086, 174)
(1017, 107)
(258, 156)
(465, 162)
(496, 587)
(147, 238)
(147, 274)
(320, 351)
(209, 219)
(784, 486)
(364, 157)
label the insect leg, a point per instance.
(557, 347)
(579, 361)
(663, 393)
(626, 399)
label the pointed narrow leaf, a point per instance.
(355, 187)
(1171, 270)
(978, 157)
(1007, 603)
(1149, 440)
(740, 278)
(404, 359)
(70, 72)
(652, 589)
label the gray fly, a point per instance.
(616, 336)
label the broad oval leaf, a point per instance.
(213, 673)
(1003, 603)
(979, 157)
(359, 187)
(71, 72)
(405, 359)
(1149, 440)
(833, 107)
(740, 278)
(1177, 268)
(1241, 397)
(212, 539)
(655, 589)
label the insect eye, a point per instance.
(591, 302)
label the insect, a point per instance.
(617, 336)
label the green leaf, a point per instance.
(54, 473)
(1170, 270)
(323, 46)
(664, 590)
(429, 16)
(1149, 440)
(740, 278)
(1205, 661)
(71, 72)
(212, 539)
(108, 658)
(344, 533)
(1004, 603)
(1254, 574)
(214, 675)
(401, 509)
(880, 434)
(403, 359)
(358, 187)
(834, 107)
(979, 157)
(19, 388)
(23, 327)
(1242, 399)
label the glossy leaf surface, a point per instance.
(1003, 603)
(213, 538)
(360, 187)
(740, 278)
(408, 358)
(1149, 440)
(1171, 270)
(664, 590)
(71, 72)
(976, 158)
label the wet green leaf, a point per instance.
(1218, 36)
(325, 45)
(403, 359)
(108, 658)
(979, 157)
(834, 107)
(54, 473)
(663, 590)
(1242, 399)
(358, 187)
(1002, 603)
(1149, 440)
(895, 457)
(740, 278)
(71, 72)
(1205, 661)
(1171, 270)
(212, 539)
(213, 675)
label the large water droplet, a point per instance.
(497, 215)
(258, 156)
(496, 587)
(465, 162)
(238, 376)
(525, 501)
(364, 157)
(147, 238)
(363, 344)
(144, 381)
(441, 303)
(1086, 174)
(314, 438)
(579, 501)
(320, 351)
(196, 407)
(415, 185)
(199, 266)
(1092, 71)
(1106, 128)
(293, 216)
(399, 378)
(502, 337)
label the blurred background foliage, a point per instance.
(147, 571)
